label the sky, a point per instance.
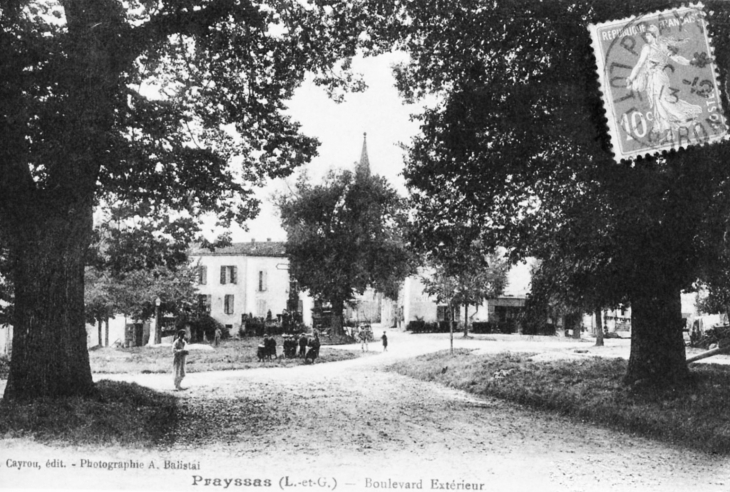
(381, 114)
(378, 111)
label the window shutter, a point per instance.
(203, 275)
(208, 302)
(223, 275)
(261, 308)
(229, 304)
(265, 280)
(234, 274)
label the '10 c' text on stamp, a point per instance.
(659, 82)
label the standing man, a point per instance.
(363, 334)
(179, 358)
(217, 337)
(302, 345)
(314, 345)
(385, 342)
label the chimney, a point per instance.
(268, 239)
(253, 240)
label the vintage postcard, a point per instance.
(659, 83)
(230, 374)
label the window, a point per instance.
(228, 304)
(202, 275)
(262, 280)
(229, 275)
(204, 303)
(443, 313)
(261, 308)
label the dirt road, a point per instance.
(357, 426)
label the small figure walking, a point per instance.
(217, 338)
(179, 356)
(385, 342)
(313, 351)
(302, 345)
(363, 336)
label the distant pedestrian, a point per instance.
(314, 345)
(179, 358)
(385, 342)
(363, 335)
(302, 345)
(217, 337)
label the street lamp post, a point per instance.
(158, 331)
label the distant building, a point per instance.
(414, 304)
(246, 278)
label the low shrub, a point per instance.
(416, 326)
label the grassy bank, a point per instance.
(231, 354)
(121, 413)
(591, 390)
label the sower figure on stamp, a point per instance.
(179, 358)
(650, 76)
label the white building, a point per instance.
(414, 304)
(246, 278)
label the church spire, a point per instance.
(363, 167)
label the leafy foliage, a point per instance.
(345, 235)
(477, 279)
(515, 153)
(170, 106)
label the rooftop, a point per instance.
(261, 248)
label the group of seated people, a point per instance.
(267, 348)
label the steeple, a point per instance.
(363, 167)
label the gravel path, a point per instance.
(359, 426)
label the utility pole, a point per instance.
(158, 330)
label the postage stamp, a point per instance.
(659, 82)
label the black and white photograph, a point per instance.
(364, 245)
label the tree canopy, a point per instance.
(173, 105)
(516, 153)
(345, 235)
(469, 282)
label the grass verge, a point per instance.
(230, 355)
(121, 413)
(590, 390)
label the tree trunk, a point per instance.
(657, 345)
(451, 328)
(106, 332)
(466, 320)
(576, 325)
(599, 328)
(158, 329)
(50, 355)
(336, 326)
(98, 335)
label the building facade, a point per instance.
(414, 304)
(246, 278)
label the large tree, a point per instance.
(345, 235)
(148, 102)
(516, 151)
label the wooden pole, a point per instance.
(451, 328)
(709, 353)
